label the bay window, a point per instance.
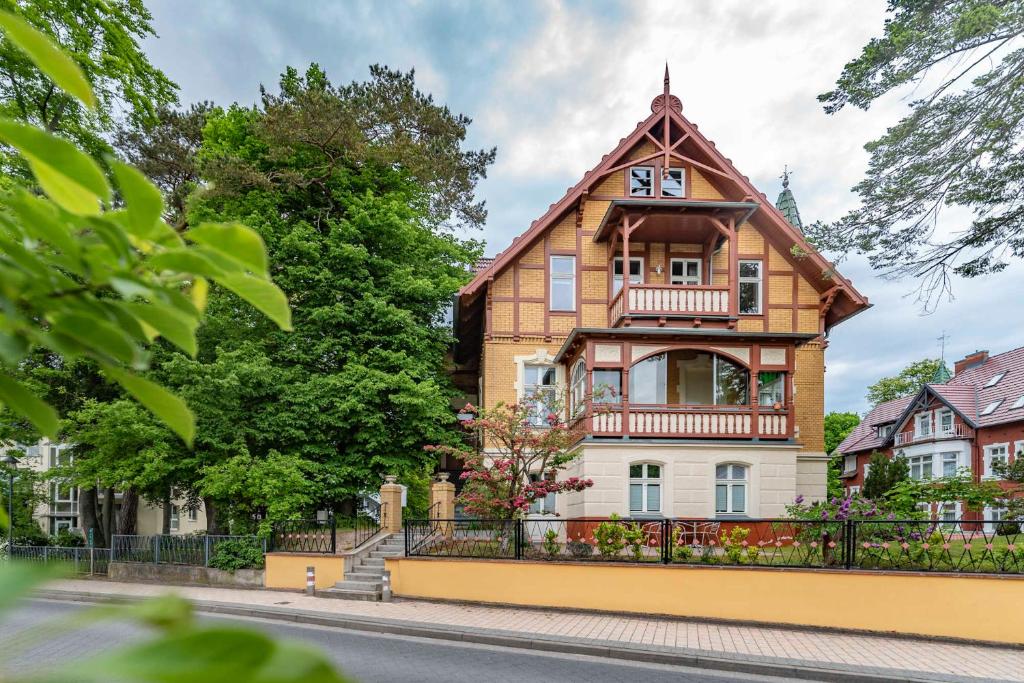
(607, 386)
(578, 387)
(920, 466)
(771, 388)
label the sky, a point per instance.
(555, 85)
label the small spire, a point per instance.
(785, 176)
(666, 80)
(786, 203)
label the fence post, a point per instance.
(666, 541)
(518, 535)
(310, 580)
(92, 558)
(849, 541)
(406, 529)
(46, 555)
(156, 550)
(334, 533)
(76, 561)
(206, 550)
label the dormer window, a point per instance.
(994, 379)
(672, 183)
(641, 181)
(923, 424)
(885, 430)
(991, 407)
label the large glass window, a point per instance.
(636, 272)
(994, 453)
(687, 377)
(644, 488)
(731, 489)
(771, 388)
(685, 271)
(750, 287)
(539, 391)
(672, 183)
(607, 386)
(920, 466)
(648, 380)
(578, 386)
(563, 283)
(949, 463)
(730, 383)
(641, 181)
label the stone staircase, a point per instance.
(366, 579)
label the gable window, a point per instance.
(994, 379)
(771, 388)
(641, 181)
(607, 386)
(672, 183)
(991, 407)
(563, 283)
(684, 271)
(731, 489)
(920, 466)
(923, 424)
(644, 488)
(578, 386)
(849, 464)
(539, 391)
(885, 430)
(994, 453)
(945, 421)
(636, 272)
(950, 462)
(750, 287)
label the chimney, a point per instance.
(976, 358)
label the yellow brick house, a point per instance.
(683, 315)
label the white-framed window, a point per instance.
(771, 388)
(544, 505)
(563, 283)
(849, 464)
(944, 421)
(193, 514)
(63, 498)
(994, 380)
(949, 462)
(996, 452)
(175, 518)
(883, 431)
(641, 181)
(994, 515)
(750, 287)
(60, 456)
(854, 490)
(672, 184)
(991, 407)
(636, 272)
(578, 386)
(684, 271)
(644, 488)
(1018, 449)
(921, 466)
(949, 514)
(540, 390)
(867, 468)
(923, 424)
(731, 489)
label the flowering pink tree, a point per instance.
(522, 439)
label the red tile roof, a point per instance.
(865, 435)
(483, 263)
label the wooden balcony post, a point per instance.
(734, 268)
(626, 309)
(627, 355)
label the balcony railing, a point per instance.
(957, 431)
(679, 421)
(695, 300)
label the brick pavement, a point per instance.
(932, 660)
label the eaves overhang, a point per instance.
(744, 209)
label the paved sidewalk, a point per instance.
(745, 648)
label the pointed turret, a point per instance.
(786, 203)
(942, 374)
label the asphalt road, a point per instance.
(28, 636)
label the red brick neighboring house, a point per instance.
(969, 421)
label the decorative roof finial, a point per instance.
(658, 104)
(785, 176)
(666, 79)
(786, 203)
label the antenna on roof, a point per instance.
(942, 339)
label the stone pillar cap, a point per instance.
(390, 478)
(442, 476)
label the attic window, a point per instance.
(885, 430)
(672, 183)
(641, 181)
(994, 379)
(1019, 403)
(991, 407)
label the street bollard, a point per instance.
(385, 587)
(311, 580)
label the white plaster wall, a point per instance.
(812, 477)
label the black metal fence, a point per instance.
(305, 536)
(77, 560)
(194, 549)
(967, 546)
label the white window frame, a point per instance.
(993, 516)
(994, 379)
(757, 281)
(175, 517)
(645, 482)
(847, 468)
(532, 389)
(867, 468)
(1019, 403)
(989, 451)
(883, 431)
(544, 505)
(919, 461)
(922, 419)
(682, 182)
(940, 415)
(944, 459)
(618, 279)
(731, 484)
(992, 407)
(956, 512)
(682, 280)
(193, 514)
(632, 190)
(854, 490)
(569, 277)
(578, 387)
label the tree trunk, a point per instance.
(129, 513)
(166, 526)
(88, 519)
(107, 514)
(213, 521)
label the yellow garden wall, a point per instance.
(288, 570)
(970, 607)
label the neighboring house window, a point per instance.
(193, 514)
(636, 272)
(920, 466)
(539, 390)
(849, 464)
(945, 421)
(994, 380)
(992, 518)
(949, 461)
(994, 453)
(885, 430)
(771, 388)
(578, 386)
(644, 488)
(684, 271)
(854, 490)
(641, 181)
(923, 424)
(949, 513)
(750, 287)
(607, 386)
(991, 407)
(175, 518)
(731, 489)
(867, 468)
(672, 183)
(563, 283)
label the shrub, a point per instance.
(551, 545)
(580, 548)
(1008, 528)
(634, 537)
(67, 539)
(237, 553)
(610, 537)
(735, 545)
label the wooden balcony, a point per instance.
(669, 300)
(958, 431)
(679, 421)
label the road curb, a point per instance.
(748, 664)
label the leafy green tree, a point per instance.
(909, 380)
(102, 37)
(837, 427)
(959, 146)
(30, 491)
(884, 474)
